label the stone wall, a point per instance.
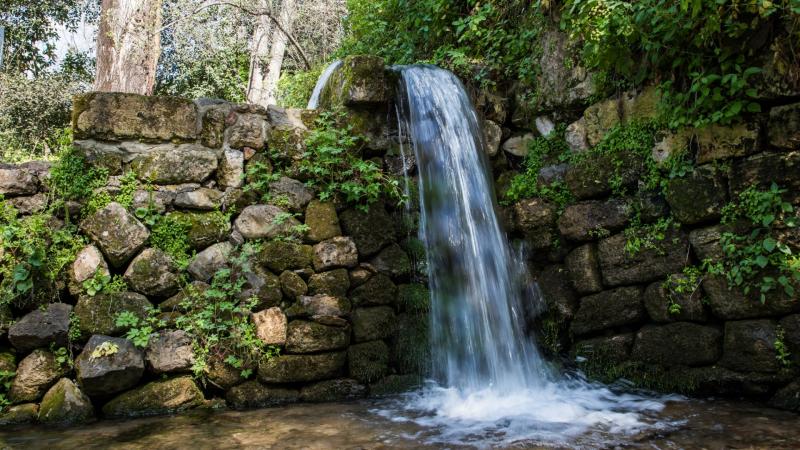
(334, 287)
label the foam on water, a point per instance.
(490, 385)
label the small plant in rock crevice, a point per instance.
(140, 329)
(782, 353)
(6, 378)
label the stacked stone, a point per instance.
(611, 306)
(329, 300)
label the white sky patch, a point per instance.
(82, 39)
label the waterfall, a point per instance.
(313, 102)
(488, 377)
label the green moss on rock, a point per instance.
(158, 397)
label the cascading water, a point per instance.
(313, 102)
(490, 383)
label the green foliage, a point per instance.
(294, 89)
(704, 47)
(682, 286)
(72, 178)
(104, 283)
(219, 320)
(6, 378)
(128, 186)
(34, 253)
(640, 236)
(761, 259)
(170, 234)
(333, 165)
(541, 151)
(140, 329)
(74, 333)
(63, 357)
(223, 74)
(782, 353)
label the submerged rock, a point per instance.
(252, 394)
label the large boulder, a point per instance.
(35, 374)
(392, 261)
(675, 300)
(265, 222)
(335, 282)
(153, 273)
(585, 221)
(679, 343)
(322, 221)
(88, 262)
(157, 397)
(621, 267)
(41, 328)
(169, 352)
(584, 269)
(371, 230)
(17, 181)
(98, 314)
(202, 228)
(252, 394)
(108, 365)
(716, 142)
(749, 346)
(312, 337)
(176, 164)
(116, 116)
(333, 391)
(116, 232)
(617, 307)
(368, 361)
(730, 303)
(302, 368)
(370, 324)
(335, 253)
(290, 193)
(698, 197)
(281, 255)
(65, 404)
(271, 326)
(378, 290)
(249, 130)
(206, 263)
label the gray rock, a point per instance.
(749, 346)
(322, 221)
(302, 368)
(206, 263)
(264, 222)
(787, 397)
(29, 205)
(613, 349)
(335, 282)
(116, 232)
(561, 298)
(17, 181)
(333, 391)
(230, 173)
(40, 328)
(661, 294)
(617, 307)
(158, 397)
(371, 324)
(325, 305)
(108, 365)
(262, 285)
(200, 199)
(535, 218)
(763, 169)
(65, 404)
(98, 314)
(619, 267)
(291, 193)
(335, 253)
(34, 376)
(730, 303)
(184, 163)
(392, 261)
(169, 352)
(292, 285)
(312, 337)
(153, 273)
(575, 135)
(378, 290)
(250, 130)
(705, 242)
(371, 230)
(87, 263)
(716, 142)
(518, 145)
(493, 134)
(698, 197)
(252, 394)
(783, 129)
(679, 343)
(584, 270)
(586, 221)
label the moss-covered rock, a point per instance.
(252, 394)
(65, 404)
(678, 344)
(716, 142)
(176, 164)
(322, 221)
(749, 346)
(411, 350)
(371, 230)
(170, 351)
(324, 305)
(333, 391)
(584, 269)
(334, 253)
(311, 337)
(206, 263)
(360, 81)
(98, 314)
(370, 324)
(202, 228)
(617, 307)
(116, 232)
(603, 350)
(621, 267)
(292, 285)
(378, 290)
(20, 414)
(153, 273)
(41, 328)
(116, 116)
(262, 285)
(392, 261)
(302, 368)
(157, 397)
(108, 365)
(783, 130)
(249, 130)
(698, 197)
(34, 376)
(335, 282)
(595, 176)
(368, 361)
(281, 255)
(730, 303)
(395, 384)
(414, 298)
(674, 300)
(584, 221)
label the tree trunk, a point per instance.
(268, 71)
(259, 53)
(128, 46)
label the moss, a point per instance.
(411, 352)
(202, 228)
(369, 361)
(281, 255)
(158, 397)
(414, 298)
(395, 384)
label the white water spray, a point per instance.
(313, 102)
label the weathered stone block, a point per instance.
(169, 352)
(290, 193)
(592, 178)
(617, 307)
(335, 282)
(325, 305)
(252, 394)
(679, 343)
(378, 290)
(16, 181)
(619, 267)
(371, 324)
(264, 222)
(749, 346)
(98, 314)
(25, 413)
(360, 81)
(311, 337)
(271, 326)
(369, 361)
(584, 270)
(108, 365)
(117, 116)
(203, 199)
(787, 397)
(534, 215)
(705, 242)
(65, 404)
(783, 129)
(116, 232)
(716, 142)
(202, 228)
(41, 328)
(492, 134)
(584, 221)
(206, 263)
(335, 253)
(561, 298)
(230, 173)
(661, 294)
(730, 303)
(250, 130)
(518, 145)
(185, 163)
(34, 376)
(155, 398)
(371, 230)
(698, 197)
(322, 221)
(392, 261)
(302, 368)
(606, 350)
(764, 169)
(292, 285)
(87, 263)
(153, 273)
(333, 391)
(281, 255)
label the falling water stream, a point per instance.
(313, 102)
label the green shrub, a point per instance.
(294, 89)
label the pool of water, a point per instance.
(371, 424)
